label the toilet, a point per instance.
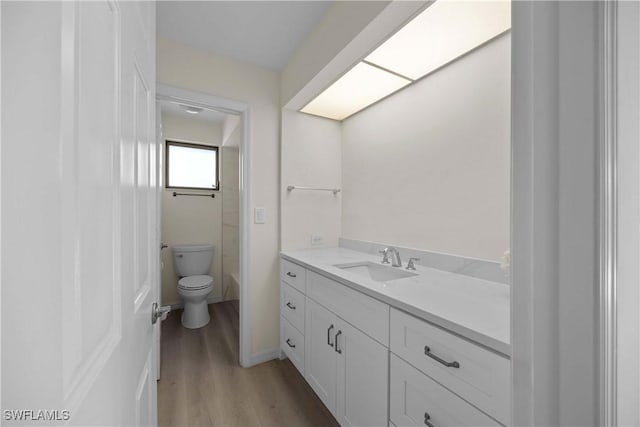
(192, 264)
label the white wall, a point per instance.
(230, 184)
(429, 167)
(311, 148)
(193, 69)
(188, 219)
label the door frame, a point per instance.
(608, 200)
(557, 120)
(619, 346)
(175, 94)
(537, 233)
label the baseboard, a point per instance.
(264, 356)
(211, 300)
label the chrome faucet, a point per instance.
(385, 255)
(395, 257)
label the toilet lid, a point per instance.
(195, 282)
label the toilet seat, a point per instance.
(194, 283)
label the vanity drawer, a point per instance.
(365, 313)
(292, 306)
(416, 399)
(293, 274)
(293, 344)
(480, 376)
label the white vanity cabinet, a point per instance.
(346, 368)
(373, 364)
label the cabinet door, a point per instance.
(320, 356)
(362, 379)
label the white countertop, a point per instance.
(473, 308)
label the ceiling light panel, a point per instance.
(441, 33)
(361, 86)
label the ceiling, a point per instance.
(264, 33)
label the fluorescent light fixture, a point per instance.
(359, 87)
(444, 31)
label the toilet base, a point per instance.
(196, 311)
(195, 314)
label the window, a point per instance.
(191, 166)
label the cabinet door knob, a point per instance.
(289, 343)
(339, 351)
(427, 351)
(329, 336)
(427, 417)
(292, 307)
(290, 274)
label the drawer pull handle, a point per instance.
(339, 351)
(290, 274)
(427, 417)
(289, 343)
(427, 351)
(292, 307)
(329, 336)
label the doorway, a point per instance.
(237, 120)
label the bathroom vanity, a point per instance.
(384, 345)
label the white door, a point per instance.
(320, 355)
(138, 174)
(362, 379)
(79, 247)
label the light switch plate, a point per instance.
(259, 215)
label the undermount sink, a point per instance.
(373, 271)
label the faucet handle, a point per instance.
(385, 253)
(410, 265)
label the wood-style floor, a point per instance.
(202, 383)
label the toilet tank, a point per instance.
(192, 260)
